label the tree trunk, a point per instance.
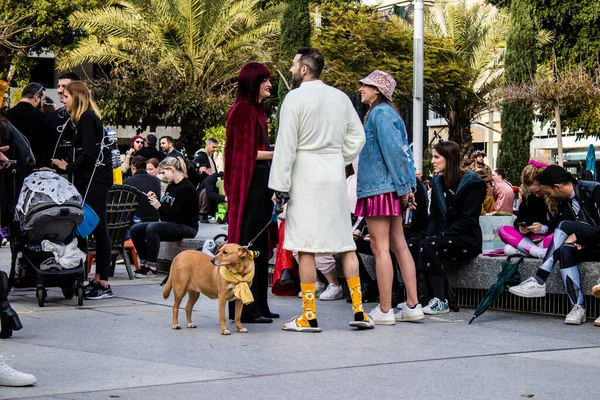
(459, 131)
(559, 144)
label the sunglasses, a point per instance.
(139, 142)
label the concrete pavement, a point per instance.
(125, 348)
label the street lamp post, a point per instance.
(418, 23)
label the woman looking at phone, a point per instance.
(533, 223)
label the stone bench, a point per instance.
(169, 250)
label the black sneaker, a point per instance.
(145, 272)
(99, 293)
(91, 286)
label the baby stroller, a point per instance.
(44, 250)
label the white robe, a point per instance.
(319, 134)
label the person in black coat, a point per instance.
(92, 180)
(150, 151)
(29, 120)
(453, 232)
(145, 183)
(210, 196)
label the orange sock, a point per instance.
(309, 309)
(356, 297)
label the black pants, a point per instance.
(431, 253)
(257, 212)
(96, 199)
(146, 237)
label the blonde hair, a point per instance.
(528, 177)
(178, 164)
(82, 100)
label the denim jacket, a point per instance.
(386, 161)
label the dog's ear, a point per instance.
(243, 253)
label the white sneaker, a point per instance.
(400, 306)
(597, 322)
(529, 288)
(510, 251)
(380, 318)
(436, 306)
(11, 377)
(333, 292)
(576, 316)
(407, 314)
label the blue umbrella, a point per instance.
(590, 160)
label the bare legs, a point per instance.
(387, 233)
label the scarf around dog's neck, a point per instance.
(242, 283)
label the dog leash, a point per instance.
(277, 209)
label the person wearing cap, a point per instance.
(136, 144)
(575, 237)
(319, 134)
(385, 183)
(478, 165)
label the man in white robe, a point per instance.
(319, 134)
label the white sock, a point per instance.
(538, 252)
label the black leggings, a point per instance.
(257, 212)
(432, 252)
(96, 199)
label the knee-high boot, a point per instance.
(9, 319)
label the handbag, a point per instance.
(90, 220)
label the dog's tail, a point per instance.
(168, 287)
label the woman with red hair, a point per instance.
(248, 156)
(137, 143)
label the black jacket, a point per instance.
(459, 218)
(587, 194)
(180, 204)
(60, 131)
(149, 152)
(21, 152)
(31, 122)
(533, 209)
(87, 142)
(420, 220)
(145, 182)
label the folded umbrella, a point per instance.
(508, 276)
(590, 161)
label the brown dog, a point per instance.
(194, 272)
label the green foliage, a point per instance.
(216, 132)
(517, 116)
(296, 28)
(44, 27)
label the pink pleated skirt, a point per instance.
(381, 205)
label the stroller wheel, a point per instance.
(69, 291)
(41, 296)
(80, 296)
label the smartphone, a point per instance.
(522, 224)
(5, 162)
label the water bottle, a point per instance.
(408, 214)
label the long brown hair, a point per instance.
(528, 177)
(381, 99)
(453, 172)
(82, 100)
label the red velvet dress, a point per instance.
(249, 198)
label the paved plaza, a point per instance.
(125, 348)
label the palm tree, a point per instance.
(475, 37)
(198, 41)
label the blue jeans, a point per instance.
(146, 237)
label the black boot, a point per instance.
(9, 320)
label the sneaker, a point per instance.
(11, 377)
(576, 316)
(596, 290)
(145, 272)
(529, 288)
(400, 306)
(510, 251)
(380, 318)
(90, 286)
(99, 293)
(436, 306)
(407, 314)
(333, 292)
(362, 324)
(292, 325)
(597, 322)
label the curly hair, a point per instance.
(529, 177)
